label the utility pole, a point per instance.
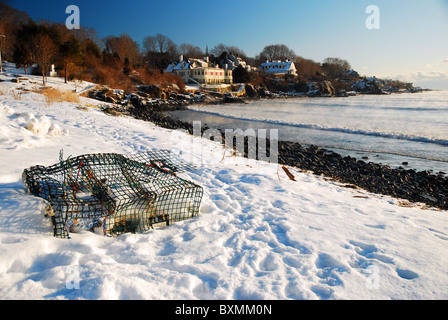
(1, 61)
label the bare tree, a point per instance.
(276, 52)
(84, 34)
(124, 47)
(220, 48)
(171, 49)
(307, 67)
(335, 67)
(150, 44)
(162, 42)
(188, 50)
(236, 51)
(159, 51)
(44, 50)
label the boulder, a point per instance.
(250, 91)
(322, 88)
(164, 95)
(153, 91)
(367, 85)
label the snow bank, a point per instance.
(24, 130)
(39, 127)
(42, 126)
(259, 235)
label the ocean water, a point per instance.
(389, 129)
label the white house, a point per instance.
(278, 67)
(200, 71)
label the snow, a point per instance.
(259, 235)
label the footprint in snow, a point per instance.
(370, 252)
(407, 274)
(360, 212)
(188, 236)
(168, 248)
(378, 226)
(439, 234)
(270, 263)
(329, 270)
(323, 292)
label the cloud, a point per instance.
(445, 61)
(425, 79)
(432, 75)
(433, 79)
(422, 76)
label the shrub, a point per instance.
(163, 80)
(54, 95)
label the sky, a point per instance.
(410, 43)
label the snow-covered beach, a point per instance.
(259, 235)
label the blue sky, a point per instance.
(411, 43)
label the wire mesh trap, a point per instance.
(115, 193)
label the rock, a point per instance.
(341, 93)
(367, 85)
(251, 92)
(143, 94)
(165, 94)
(322, 88)
(428, 197)
(228, 98)
(151, 90)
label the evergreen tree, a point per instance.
(71, 54)
(23, 55)
(241, 75)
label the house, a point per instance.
(279, 68)
(200, 71)
(230, 61)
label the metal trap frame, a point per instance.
(115, 193)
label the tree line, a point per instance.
(119, 60)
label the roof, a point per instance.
(232, 62)
(189, 64)
(184, 65)
(278, 66)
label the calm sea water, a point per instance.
(389, 129)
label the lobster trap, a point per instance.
(115, 193)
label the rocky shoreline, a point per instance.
(155, 99)
(407, 184)
(414, 186)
